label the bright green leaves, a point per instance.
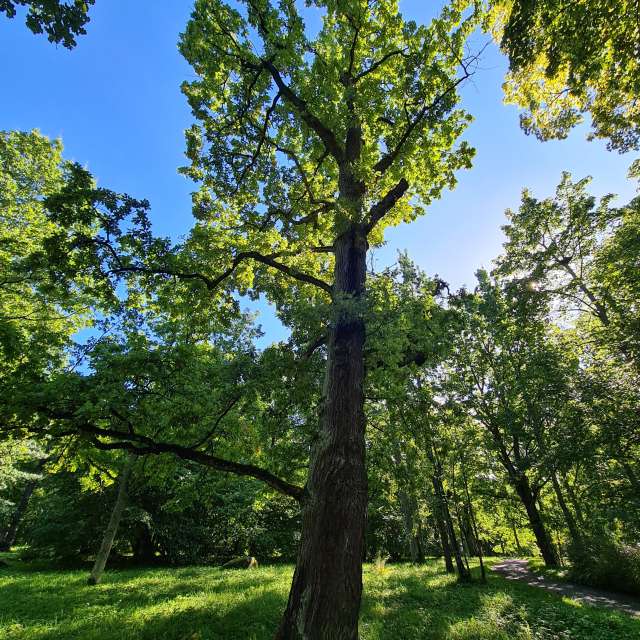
(570, 58)
(61, 20)
(299, 138)
(37, 317)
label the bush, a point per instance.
(606, 564)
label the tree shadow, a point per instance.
(176, 605)
(423, 603)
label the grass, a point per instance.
(203, 603)
(538, 566)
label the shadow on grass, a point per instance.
(180, 604)
(421, 602)
(202, 603)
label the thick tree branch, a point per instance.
(313, 122)
(379, 63)
(143, 445)
(379, 210)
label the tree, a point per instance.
(37, 317)
(515, 382)
(313, 147)
(114, 521)
(570, 58)
(578, 252)
(62, 21)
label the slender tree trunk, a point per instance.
(521, 485)
(11, 531)
(515, 535)
(474, 524)
(419, 538)
(114, 522)
(444, 538)
(144, 551)
(407, 507)
(574, 531)
(450, 532)
(9, 534)
(574, 502)
(324, 601)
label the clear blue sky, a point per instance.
(115, 101)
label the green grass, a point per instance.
(538, 566)
(203, 603)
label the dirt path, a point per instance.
(514, 569)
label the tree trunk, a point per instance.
(114, 522)
(324, 601)
(574, 531)
(474, 524)
(521, 485)
(574, 502)
(10, 533)
(408, 509)
(515, 535)
(450, 533)
(444, 540)
(144, 551)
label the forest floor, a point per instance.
(401, 602)
(517, 569)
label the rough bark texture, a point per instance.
(114, 522)
(324, 600)
(521, 485)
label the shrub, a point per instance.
(604, 563)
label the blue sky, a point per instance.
(116, 103)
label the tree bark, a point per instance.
(324, 601)
(114, 522)
(521, 485)
(515, 535)
(574, 530)
(463, 574)
(407, 507)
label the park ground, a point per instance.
(204, 603)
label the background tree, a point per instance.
(62, 21)
(567, 59)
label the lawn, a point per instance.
(204, 603)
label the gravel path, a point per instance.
(514, 569)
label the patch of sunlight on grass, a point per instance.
(404, 602)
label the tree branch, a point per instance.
(379, 210)
(315, 124)
(142, 445)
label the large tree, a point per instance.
(306, 149)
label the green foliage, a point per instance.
(607, 564)
(403, 602)
(300, 118)
(571, 58)
(61, 20)
(37, 317)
